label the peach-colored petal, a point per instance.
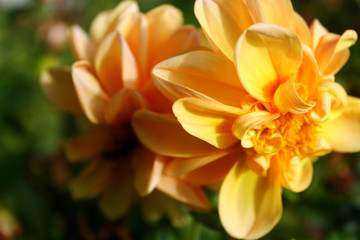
(288, 98)
(302, 30)
(317, 32)
(322, 108)
(106, 22)
(135, 30)
(245, 122)
(192, 196)
(215, 170)
(58, 86)
(92, 98)
(180, 166)
(259, 163)
(343, 133)
(332, 51)
(115, 65)
(296, 173)
(183, 39)
(90, 143)
(148, 172)
(156, 100)
(267, 11)
(201, 74)
(266, 55)
(91, 181)
(220, 26)
(118, 196)
(250, 205)
(165, 136)
(82, 46)
(309, 73)
(209, 121)
(122, 106)
(163, 21)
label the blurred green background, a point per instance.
(33, 170)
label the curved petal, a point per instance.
(265, 56)
(288, 99)
(163, 21)
(58, 86)
(157, 133)
(250, 120)
(192, 196)
(180, 166)
(118, 195)
(183, 39)
(332, 51)
(135, 30)
(105, 22)
(309, 73)
(209, 121)
(115, 64)
(92, 98)
(199, 73)
(220, 25)
(343, 133)
(214, 171)
(250, 205)
(82, 46)
(302, 30)
(148, 172)
(123, 105)
(317, 32)
(267, 11)
(91, 181)
(90, 143)
(296, 173)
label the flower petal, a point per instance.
(90, 143)
(163, 21)
(157, 133)
(92, 98)
(220, 26)
(122, 106)
(148, 172)
(106, 22)
(180, 166)
(288, 99)
(215, 170)
(91, 181)
(296, 173)
(118, 196)
(250, 120)
(201, 74)
(343, 133)
(192, 196)
(332, 51)
(317, 32)
(265, 56)
(209, 121)
(58, 86)
(267, 11)
(302, 30)
(183, 39)
(115, 65)
(82, 46)
(249, 205)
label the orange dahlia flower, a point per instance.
(266, 98)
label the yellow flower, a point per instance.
(110, 82)
(265, 100)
